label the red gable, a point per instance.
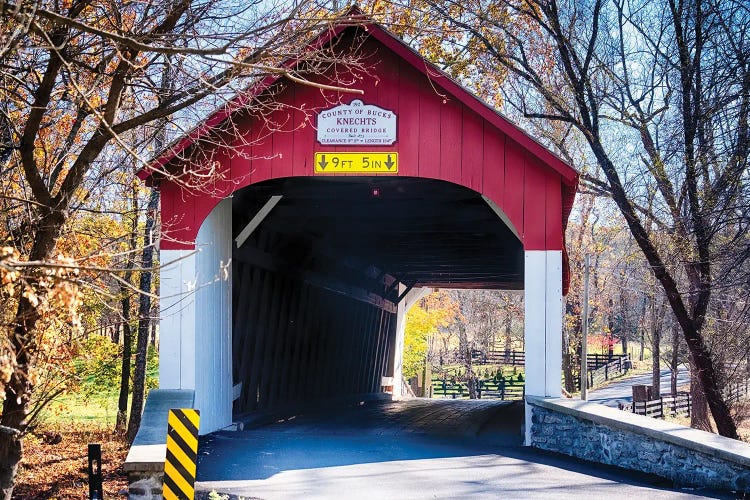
(444, 132)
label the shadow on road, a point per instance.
(404, 449)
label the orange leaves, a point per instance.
(55, 463)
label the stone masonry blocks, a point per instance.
(598, 443)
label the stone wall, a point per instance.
(599, 434)
(145, 485)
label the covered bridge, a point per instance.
(319, 217)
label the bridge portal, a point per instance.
(326, 215)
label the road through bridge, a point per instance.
(409, 449)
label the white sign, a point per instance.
(357, 123)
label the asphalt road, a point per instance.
(622, 389)
(418, 449)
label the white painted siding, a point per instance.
(213, 331)
(176, 319)
(554, 325)
(543, 309)
(535, 273)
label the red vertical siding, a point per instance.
(450, 141)
(283, 140)
(493, 175)
(553, 215)
(439, 136)
(304, 134)
(429, 135)
(472, 152)
(408, 92)
(512, 203)
(534, 188)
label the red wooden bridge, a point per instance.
(322, 216)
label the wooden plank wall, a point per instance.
(294, 342)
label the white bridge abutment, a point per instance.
(543, 316)
(196, 319)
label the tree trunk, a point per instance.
(23, 343)
(643, 344)
(675, 364)
(144, 319)
(656, 327)
(655, 364)
(465, 350)
(611, 334)
(572, 349)
(122, 402)
(699, 404)
(11, 445)
(508, 339)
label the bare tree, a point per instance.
(660, 92)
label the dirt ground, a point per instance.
(55, 463)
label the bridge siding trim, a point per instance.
(176, 315)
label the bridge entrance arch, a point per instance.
(325, 216)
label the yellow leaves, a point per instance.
(50, 288)
(423, 320)
(8, 274)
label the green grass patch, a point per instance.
(100, 408)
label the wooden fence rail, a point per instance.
(505, 389)
(518, 358)
(736, 391)
(607, 371)
(672, 405)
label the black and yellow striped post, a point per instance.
(182, 454)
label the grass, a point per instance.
(100, 409)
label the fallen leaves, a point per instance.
(55, 462)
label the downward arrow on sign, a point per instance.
(323, 163)
(389, 163)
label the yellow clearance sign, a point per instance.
(356, 163)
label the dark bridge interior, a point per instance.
(316, 285)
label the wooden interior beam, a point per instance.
(256, 220)
(257, 257)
